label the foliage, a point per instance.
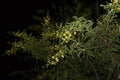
(77, 50)
(28, 43)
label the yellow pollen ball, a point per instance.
(66, 37)
(111, 10)
(62, 56)
(64, 34)
(118, 8)
(56, 59)
(115, 1)
(60, 51)
(70, 35)
(66, 41)
(74, 32)
(52, 62)
(53, 57)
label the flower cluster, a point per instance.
(46, 20)
(57, 34)
(115, 3)
(54, 59)
(66, 36)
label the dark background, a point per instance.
(15, 15)
(19, 13)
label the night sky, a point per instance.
(15, 15)
(18, 13)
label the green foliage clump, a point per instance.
(77, 50)
(28, 43)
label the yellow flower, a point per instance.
(66, 41)
(62, 56)
(56, 59)
(111, 10)
(115, 1)
(67, 37)
(53, 57)
(118, 8)
(67, 34)
(110, 4)
(60, 51)
(74, 33)
(64, 34)
(53, 63)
